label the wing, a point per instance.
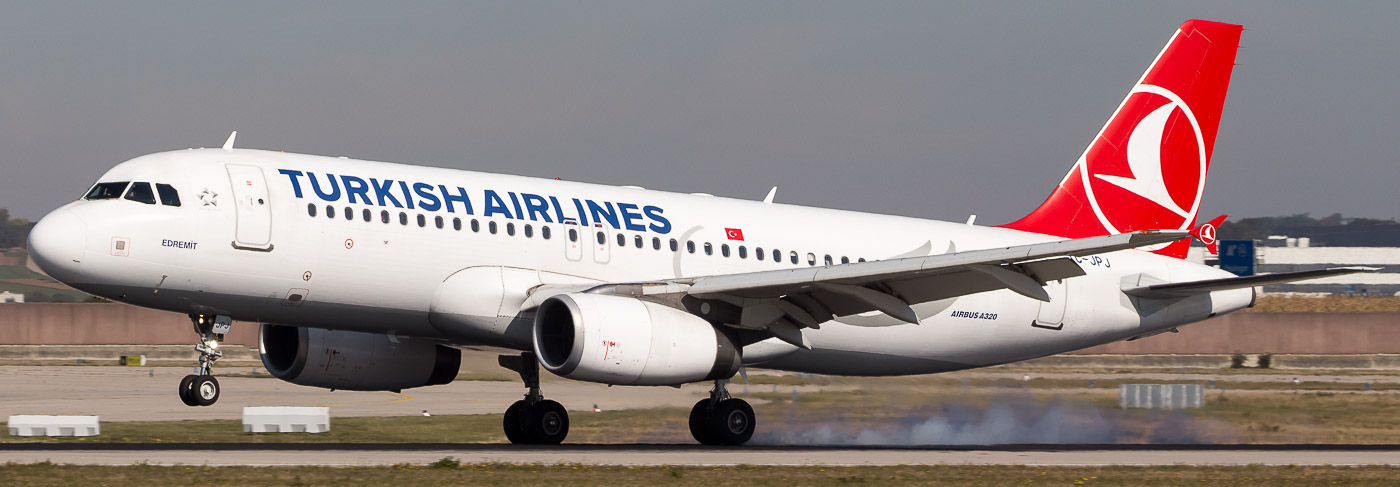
(1185, 289)
(783, 301)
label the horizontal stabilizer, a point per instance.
(1184, 289)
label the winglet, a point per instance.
(1206, 233)
(772, 192)
(228, 144)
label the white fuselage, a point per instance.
(245, 243)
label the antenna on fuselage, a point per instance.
(228, 144)
(772, 192)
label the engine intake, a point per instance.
(354, 361)
(627, 341)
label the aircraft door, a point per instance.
(1052, 314)
(573, 242)
(601, 247)
(252, 207)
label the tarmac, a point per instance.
(117, 393)
(692, 455)
(148, 394)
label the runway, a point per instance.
(345, 455)
(148, 394)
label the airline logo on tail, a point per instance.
(1139, 169)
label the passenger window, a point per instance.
(367, 214)
(777, 256)
(573, 235)
(690, 246)
(168, 195)
(602, 239)
(437, 220)
(709, 249)
(349, 213)
(827, 259)
(638, 241)
(743, 252)
(330, 211)
(811, 258)
(757, 252)
(621, 240)
(862, 259)
(674, 248)
(403, 218)
(544, 232)
(422, 220)
(529, 231)
(106, 191)
(845, 260)
(141, 193)
(457, 224)
(656, 243)
(792, 255)
(491, 227)
(476, 226)
(384, 216)
(724, 250)
(510, 229)
(311, 209)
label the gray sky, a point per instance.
(912, 108)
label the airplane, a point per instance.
(374, 276)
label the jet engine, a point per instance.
(627, 341)
(354, 361)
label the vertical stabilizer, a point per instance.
(1146, 169)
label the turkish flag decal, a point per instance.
(734, 234)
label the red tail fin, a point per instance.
(1147, 167)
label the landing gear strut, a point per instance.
(533, 420)
(202, 389)
(720, 419)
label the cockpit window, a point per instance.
(106, 191)
(141, 192)
(168, 195)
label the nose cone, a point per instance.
(57, 243)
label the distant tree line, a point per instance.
(1333, 229)
(13, 233)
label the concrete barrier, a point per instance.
(23, 353)
(41, 425)
(281, 419)
(105, 324)
(1161, 396)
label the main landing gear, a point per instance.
(533, 420)
(202, 389)
(720, 419)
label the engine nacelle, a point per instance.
(354, 361)
(627, 341)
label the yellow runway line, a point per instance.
(400, 398)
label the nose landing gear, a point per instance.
(721, 419)
(533, 420)
(202, 389)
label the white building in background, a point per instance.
(9, 297)
(1279, 254)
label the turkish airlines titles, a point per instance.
(517, 206)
